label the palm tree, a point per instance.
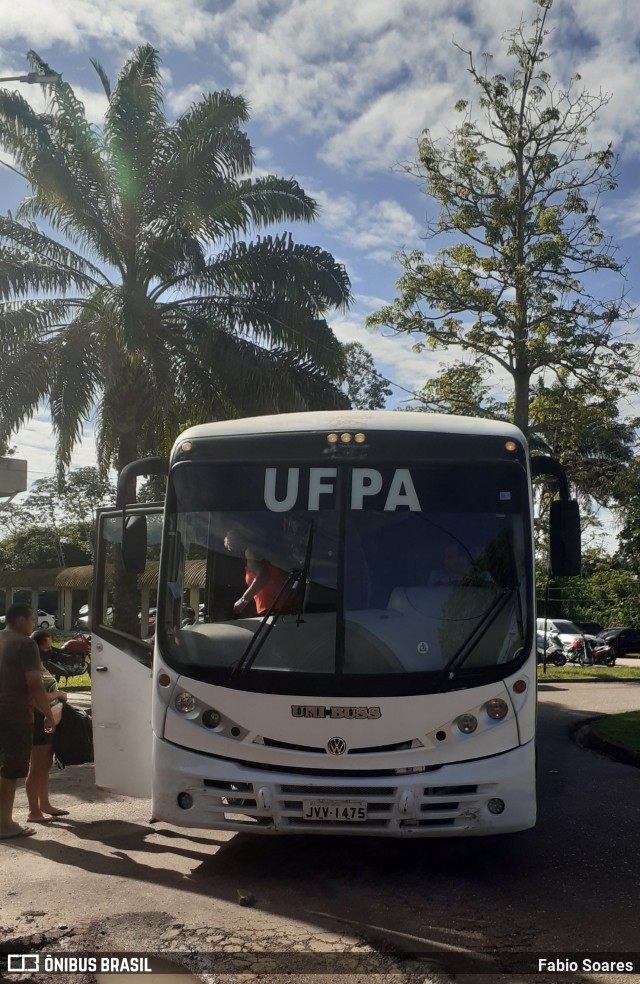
(138, 301)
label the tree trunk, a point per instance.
(521, 402)
(127, 452)
(125, 584)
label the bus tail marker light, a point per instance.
(497, 709)
(520, 686)
(164, 679)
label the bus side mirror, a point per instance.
(564, 538)
(134, 544)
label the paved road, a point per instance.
(569, 884)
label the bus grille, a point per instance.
(237, 804)
(398, 746)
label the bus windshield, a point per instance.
(347, 579)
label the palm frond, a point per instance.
(234, 372)
(21, 275)
(274, 267)
(102, 75)
(269, 322)
(24, 384)
(220, 207)
(74, 135)
(207, 139)
(74, 385)
(28, 236)
(69, 202)
(135, 129)
(23, 323)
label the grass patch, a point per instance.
(624, 729)
(82, 682)
(601, 674)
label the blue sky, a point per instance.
(339, 93)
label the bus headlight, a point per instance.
(497, 709)
(184, 703)
(467, 723)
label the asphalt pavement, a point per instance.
(569, 885)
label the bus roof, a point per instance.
(364, 420)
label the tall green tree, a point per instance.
(54, 526)
(138, 299)
(518, 186)
(627, 510)
(365, 388)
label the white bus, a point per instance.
(358, 652)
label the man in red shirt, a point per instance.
(21, 689)
(263, 579)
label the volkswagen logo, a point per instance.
(336, 746)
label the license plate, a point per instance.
(331, 810)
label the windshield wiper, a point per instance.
(295, 578)
(257, 641)
(305, 573)
(460, 657)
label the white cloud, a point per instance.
(36, 442)
(75, 22)
(365, 76)
(375, 230)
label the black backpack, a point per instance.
(73, 737)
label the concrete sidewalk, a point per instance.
(80, 699)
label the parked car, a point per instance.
(562, 627)
(593, 628)
(44, 620)
(622, 640)
(82, 622)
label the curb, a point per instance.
(621, 753)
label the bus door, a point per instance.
(123, 636)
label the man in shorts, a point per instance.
(21, 689)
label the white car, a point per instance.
(44, 620)
(562, 627)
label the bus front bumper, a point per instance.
(478, 797)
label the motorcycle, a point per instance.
(72, 659)
(579, 652)
(554, 652)
(590, 652)
(603, 654)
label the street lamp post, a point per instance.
(33, 77)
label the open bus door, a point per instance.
(122, 644)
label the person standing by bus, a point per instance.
(21, 689)
(37, 781)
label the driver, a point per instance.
(263, 579)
